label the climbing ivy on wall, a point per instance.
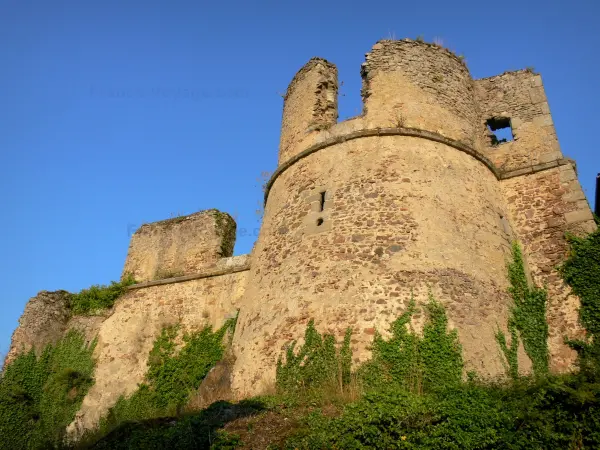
(39, 395)
(582, 272)
(317, 362)
(416, 363)
(527, 321)
(172, 375)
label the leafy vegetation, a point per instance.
(172, 375)
(98, 297)
(316, 364)
(412, 392)
(416, 363)
(582, 272)
(527, 322)
(550, 414)
(39, 395)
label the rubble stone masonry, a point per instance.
(180, 246)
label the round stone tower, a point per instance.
(362, 214)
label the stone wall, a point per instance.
(126, 332)
(400, 215)
(412, 84)
(127, 335)
(518, 96)
(180, 246)
(543, 206)
(310, 105)
(541, 189)
(43, 322)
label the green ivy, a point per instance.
(226, 229)
(417, 363)
(582, 272)
(172, 375)
(39, 396)
(98, 297)
(510, 352)
(527, 320)
(316, 364)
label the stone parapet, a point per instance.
(180, 246)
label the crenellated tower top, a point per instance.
(412, 87)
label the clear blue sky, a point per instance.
(116, 113)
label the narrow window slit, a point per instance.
(322, 204)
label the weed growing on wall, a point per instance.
(164, 274)
(317, 363)
(527, 322)
(416, 363)
(39, 396)
(226, 229)
(98, 297)
(172, 375)
(582, 272)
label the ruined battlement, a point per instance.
(412, 85)
(180, 246)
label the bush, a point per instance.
(98, 297)
(553, 413)
(39, 396)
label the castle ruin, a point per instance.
(416, 195)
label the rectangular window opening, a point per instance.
(500, 130)
(322, 202)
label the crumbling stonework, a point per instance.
(310, 104)
(520, 98)
(411, 198)
(180, 246)
(43, 322)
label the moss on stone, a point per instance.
(226, 230)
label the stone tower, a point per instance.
(415, 195)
